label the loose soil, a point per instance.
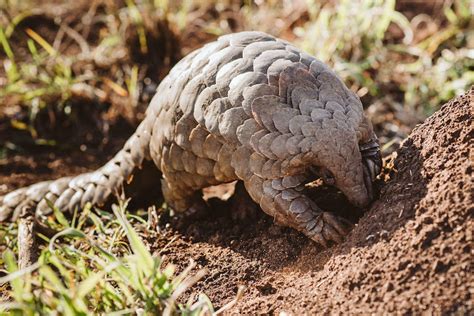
(409, 253)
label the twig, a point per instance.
(59, 38)
(87, 19)
(78, 38)
(228, 306)
(27, 243)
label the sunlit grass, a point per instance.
(49, 78)
(98, 264)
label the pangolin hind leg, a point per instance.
(182, 192)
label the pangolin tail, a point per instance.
(70, 193)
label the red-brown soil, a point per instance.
(410, 253)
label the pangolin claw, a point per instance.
(327, 227)
(337, 223)
(331, 234)
(318, 238)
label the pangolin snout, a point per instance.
(361, 192)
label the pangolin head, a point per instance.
(347, 156)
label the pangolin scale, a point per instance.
(246, 107)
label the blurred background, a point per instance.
(77, 76)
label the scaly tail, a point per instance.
(70, 193)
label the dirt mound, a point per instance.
(409, 253)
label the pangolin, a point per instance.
(246, 107)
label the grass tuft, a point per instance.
(100, 267)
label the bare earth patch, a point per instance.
(409, 253)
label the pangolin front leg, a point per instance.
(285, 201)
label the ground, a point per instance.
(409, 253)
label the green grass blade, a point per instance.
(86, 286)
(138, 247)
(58, 214)
(6, 46)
